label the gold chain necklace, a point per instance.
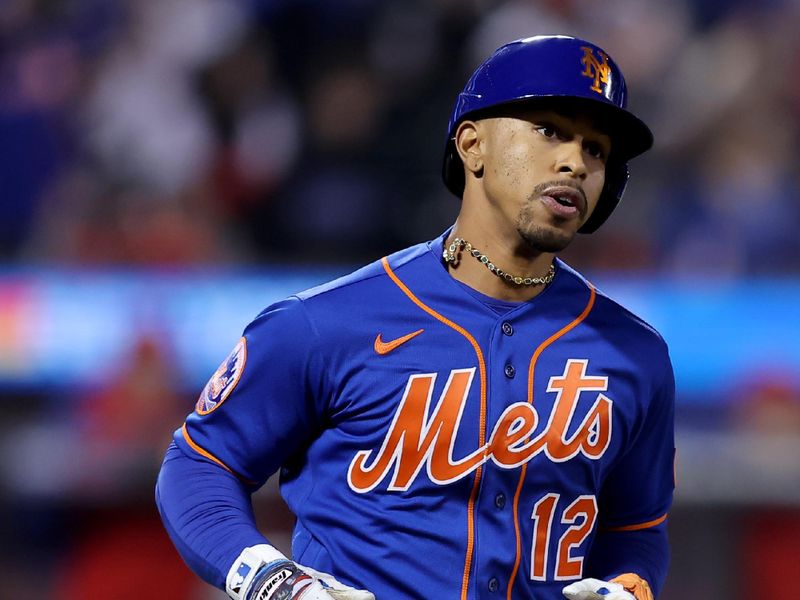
(452, 253)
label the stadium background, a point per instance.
(169, 167)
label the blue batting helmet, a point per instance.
(562, 68)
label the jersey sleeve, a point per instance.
(637, 495)
(644, 552)
(266, 400)
(638, 491)
(206, 512)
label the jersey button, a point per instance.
(507, 328)
(494, 585)
(510, 371)
(500, 500)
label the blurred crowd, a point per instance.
(188, 133)
(219, 131)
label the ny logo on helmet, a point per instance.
(598, 71)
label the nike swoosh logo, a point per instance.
(382, 347)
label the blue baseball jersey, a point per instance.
(433, 446)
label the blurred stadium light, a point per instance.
(74, 328)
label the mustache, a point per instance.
(542, 187)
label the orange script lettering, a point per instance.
(414, 440)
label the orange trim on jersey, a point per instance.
(542, 347)
(639, 526)
(482, 427)
(202, 451)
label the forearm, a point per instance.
(644, 552)
(207, 513)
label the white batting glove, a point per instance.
(263, 573)
(596, 589)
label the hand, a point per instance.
(263, 573)
(596, 589)
(336, 589)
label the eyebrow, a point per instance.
(598, 133)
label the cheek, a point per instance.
(593, 187)
(513, 166)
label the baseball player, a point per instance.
(468, 418)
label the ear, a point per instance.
(469, 147)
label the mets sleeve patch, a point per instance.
(224, 380)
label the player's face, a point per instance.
(543, 171)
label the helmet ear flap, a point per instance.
(616, 180)
(453, 170)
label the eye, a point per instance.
(547, 130)
(596, 150)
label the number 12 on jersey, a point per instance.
(580, 515)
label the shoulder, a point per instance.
(340, 301)
(620, 326)
(628, 322)
(365, 285)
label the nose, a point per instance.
(570, 161)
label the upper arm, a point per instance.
(267, 398)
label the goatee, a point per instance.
(542, 238)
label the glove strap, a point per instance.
(244, 569)
(635, 585)
(280, 580)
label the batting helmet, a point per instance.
(550, 67)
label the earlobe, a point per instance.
(467, 142)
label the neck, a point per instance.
(513, 256)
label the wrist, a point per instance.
(278, 579)
(247, 566)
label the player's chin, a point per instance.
(548, 237)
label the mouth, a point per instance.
(565, 201)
